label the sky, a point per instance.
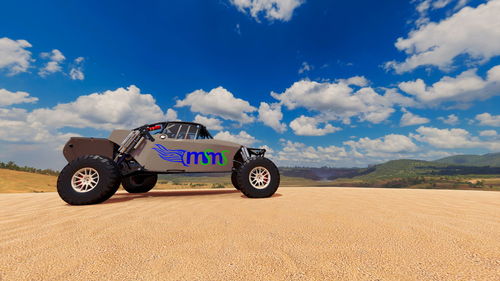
(316, 83)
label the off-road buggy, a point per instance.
(134, 158)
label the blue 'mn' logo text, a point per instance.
(187, 158)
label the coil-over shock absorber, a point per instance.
(134, 140)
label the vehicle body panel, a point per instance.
(167, 155)
(78, 146)
(117, 136)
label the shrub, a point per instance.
(218, 185)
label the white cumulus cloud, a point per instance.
(272, 9)
(359, 81)
(13, 114)
(338, 101)
(171, 115)
(242, 137)
(309, 126)
(410, 119)
(466, 87)
(297, 153)
(470, 31)
(121, 108)
(451, 119)
(210, 123)
(55, 58)
(9, 98)
(452, 138)
(271, 115)
(14, 57)
(76, 71)
(445, 138)
(488, 133)
(15, 126)
(219, 102)
(381, 147)
(353, 153)
(426, 6)
(486, 119)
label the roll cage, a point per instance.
(180, 130)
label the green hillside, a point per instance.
(491, 159)
(456, 166)
(407, 168)
(403, 168)
(408, 173)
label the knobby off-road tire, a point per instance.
(234, 180)
(139, 183)
(89, 179)
(258, 177)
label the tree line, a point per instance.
(13, 166)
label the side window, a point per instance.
(183, 131)
(192, 133)
(171, 130)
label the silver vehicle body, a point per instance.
(175, 147)
(165, 155)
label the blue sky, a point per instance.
(336, 83)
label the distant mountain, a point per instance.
(402, 168)
(407, 168)
(491, 159)
(488, 164)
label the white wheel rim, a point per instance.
(259, 177)
(85, 179)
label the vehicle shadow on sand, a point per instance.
(273, 196)
(124, 197)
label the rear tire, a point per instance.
(258, 177)
(89, 179)
(139, 183)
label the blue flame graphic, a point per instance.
(170, 155)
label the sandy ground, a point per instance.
(299, 234)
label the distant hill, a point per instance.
(401, 169)
(21, 181)
(491, 159)
(488, 164)
(406, 168)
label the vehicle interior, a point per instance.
(183, 130)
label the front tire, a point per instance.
(139, 183)
(234, 180)
(258, 177)
(89, 179)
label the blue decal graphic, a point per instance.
(190, 157)
(170, 155)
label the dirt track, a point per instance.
(299, 234)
